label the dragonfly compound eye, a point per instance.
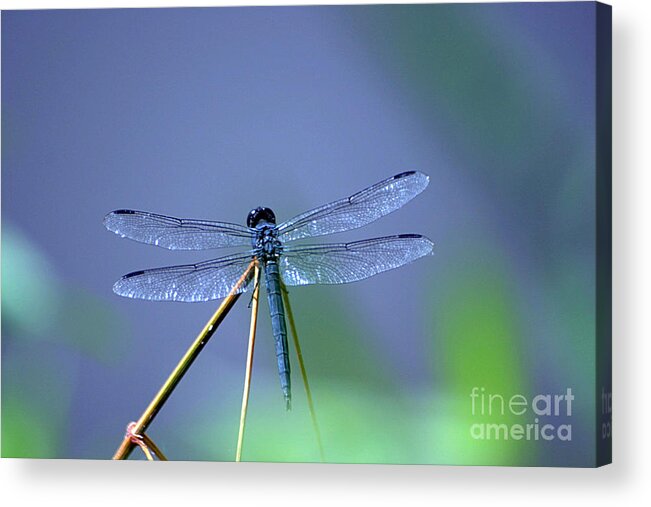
(258, 215)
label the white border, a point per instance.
(26, 482)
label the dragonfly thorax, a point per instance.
(266, 242)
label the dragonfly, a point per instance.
(283, 263)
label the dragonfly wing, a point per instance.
(357, 210)
(176, 233)
(349, 262)
(192, 282)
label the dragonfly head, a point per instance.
(258, 215)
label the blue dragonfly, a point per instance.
(291, 265)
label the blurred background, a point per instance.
(207, 113)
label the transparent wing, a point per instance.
(357, 210)
(349, 262)
(192, 282)
(176, 233)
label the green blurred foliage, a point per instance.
(38, 388)
(26, 431)
(30, 300)
(477, 343)
(40, 313)
(38, 306)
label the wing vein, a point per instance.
(357, 210)
(175, 233)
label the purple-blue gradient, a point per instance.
(207, 113)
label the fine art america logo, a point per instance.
(535, 416)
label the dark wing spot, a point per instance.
(135, 273)
(124, 212)
(402, 175)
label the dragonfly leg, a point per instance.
(255, 286)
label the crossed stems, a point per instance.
(135, 435)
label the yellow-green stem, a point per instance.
(249, 363)
(301, 365)
(181, 368)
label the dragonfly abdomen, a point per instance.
(277, 312)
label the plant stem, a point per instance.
(181, 368)
(249, 363)
(154, 448)
(301, 364)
